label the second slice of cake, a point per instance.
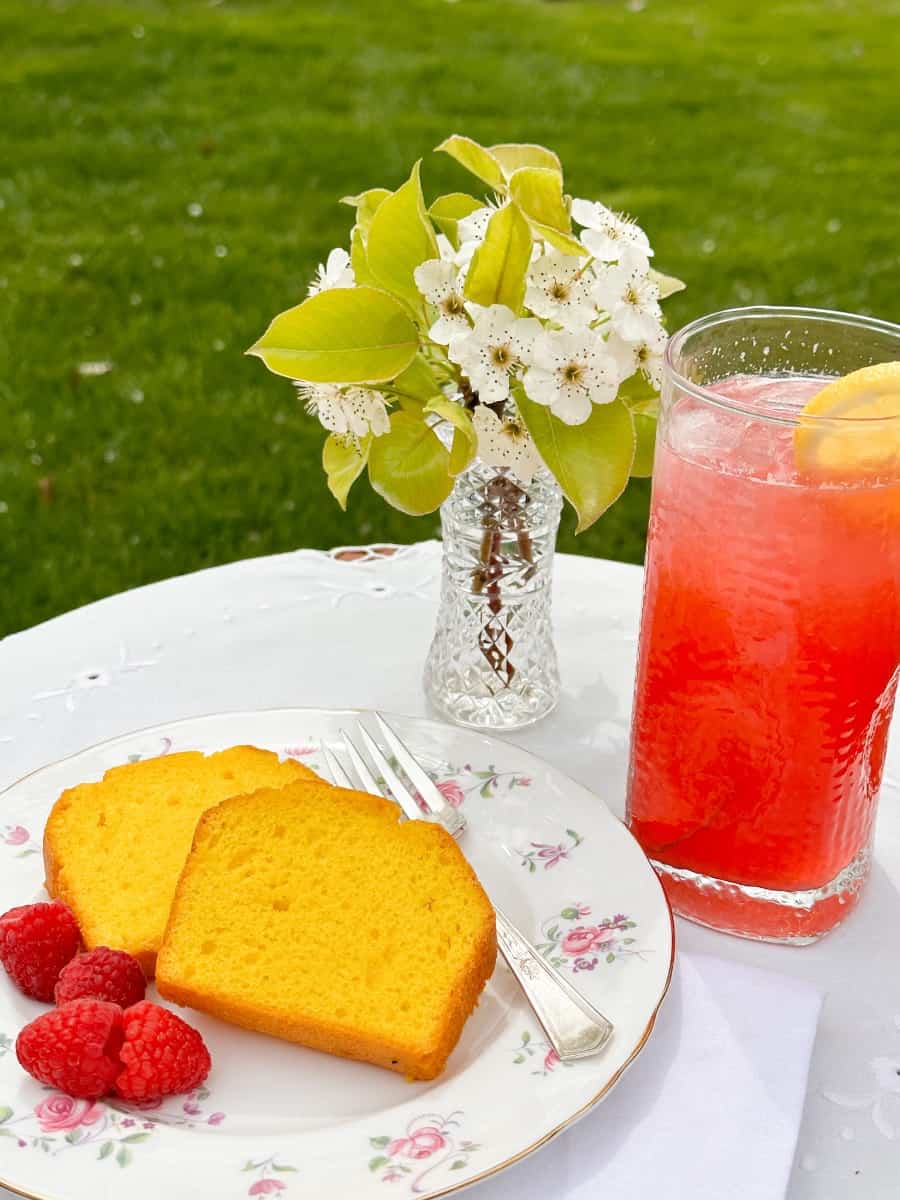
(312, 914)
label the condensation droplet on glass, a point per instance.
(94, 368)
(36, 460)
(75, 260)
(110, 455)
(138, 31)
(848, 1134)
(135, 539)
(279, 418)
(194, 209)
(4, 507)
(833, 226)
(763, 59)
(218, 344)
(3, 281)
(708, 245)
(290, 505)
(157, 261)
(809, 1162)
(136, 396)
(636, 5)
(134, 299)
(221, 250)
(31, 444)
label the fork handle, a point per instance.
(574, 1027)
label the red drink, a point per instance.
(768, 664)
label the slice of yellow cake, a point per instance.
(310, 913)
(113, 850)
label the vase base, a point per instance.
(502, 712)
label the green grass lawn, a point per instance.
(758, 144)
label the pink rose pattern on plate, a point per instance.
(59, 1123)
(543, 855)
(572, 943)
(543, 1057)
(266, 1172)
(17, 837)
(429, 1146)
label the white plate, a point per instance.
(276, 1118)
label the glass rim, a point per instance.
(726, 316)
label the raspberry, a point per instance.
(36, 942)
(161, 1054)
(103, 975)
(74, 1048)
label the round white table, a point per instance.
(351, 629)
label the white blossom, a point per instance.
(505, 442)
(445, 248)
(570, 372)
(489, 352)
(353, 411)
(559, 289)
(439, 284)
(631, 297)
(471, 232)
(607, 233)
(645, 356)
(335, 272)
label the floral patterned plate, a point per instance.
(276, 1118)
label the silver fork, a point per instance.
(573, 1026)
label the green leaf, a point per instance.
(465, 439)
(538, 192)
(379, 1143)
(106, 1150)
(123, 1158)
(366, 205)
(668, 285)
(458, 1164)
(562, 241)
(377, 1162)
(645, 444)
(639, 394)
(134, 1138)
(474, 158)
(591, 462)
(574, 835)
(418, 383)
(513, 155)
(447, 211)
(497, 272)
(610, 958)
(526, 1038)
(400, 237)
(345, 335)
(520, 1058)
(73, 1136)
(284, 1169)
(343, 464)
(409, 467)
(5, 1114)
(359, 260)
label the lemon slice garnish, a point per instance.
(864, 407)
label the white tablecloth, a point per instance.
(158, 653)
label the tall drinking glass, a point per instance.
(770, 635)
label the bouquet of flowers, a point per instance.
(523, 328)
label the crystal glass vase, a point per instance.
(492, 663)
